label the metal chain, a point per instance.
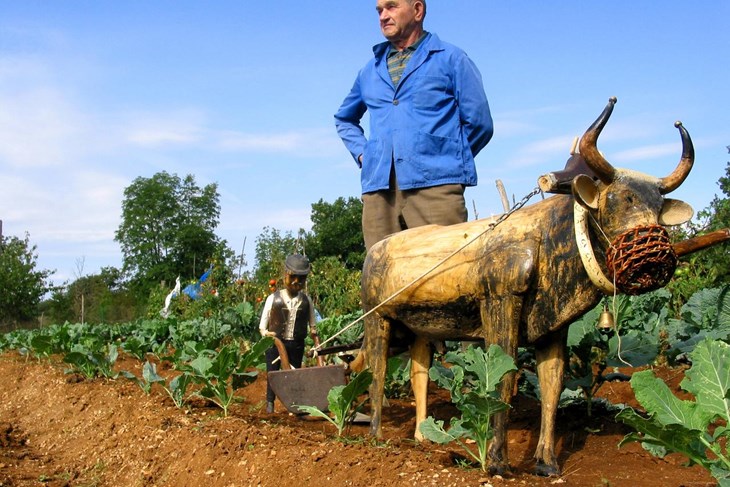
(489, 228)
(515, 207)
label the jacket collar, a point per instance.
(429, 44)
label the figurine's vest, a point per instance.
(279, 317)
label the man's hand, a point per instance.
(270, 334)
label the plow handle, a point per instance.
(702, 242)
(283, 356)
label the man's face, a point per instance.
(399, 18)
(294, 284)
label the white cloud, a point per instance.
(647, 152)
(39, 128)
(285, 219)
(305, 142)
(541, 151)
(171, 128)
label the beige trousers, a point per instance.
(390, 211)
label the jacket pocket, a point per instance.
(372, 172)
(439, 158)
(432, 93)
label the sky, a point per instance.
(94, 94)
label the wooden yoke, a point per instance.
(558, 182)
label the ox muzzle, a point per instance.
(641, 259)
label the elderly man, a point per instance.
(429, 117)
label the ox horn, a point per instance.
(672, 182)
(589, 150)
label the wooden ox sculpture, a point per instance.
(522, 281)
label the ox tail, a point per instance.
(360, 363)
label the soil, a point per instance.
(58, 429)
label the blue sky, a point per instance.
(96, 93)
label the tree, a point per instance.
(710, 267)
(716, 259)
(104, 300)
(167, 229)
(21, 285)
(272, 247)
(337, 231)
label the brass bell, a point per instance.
(605, 320)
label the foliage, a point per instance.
(711, 267)
(685, 426)
(334, 289)
(149, 377)
(639, 338)
(272, 247)
(215, 371)
(176, 389)
(92, 361)
(337, 232)
(705, 315)
(334, 331)
(96, 298)
(22, 285)
(397, 377)
(645, 334)
(472, 381)
(167, 229)
(226, 304)
(343, 401)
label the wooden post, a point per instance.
(503, 195)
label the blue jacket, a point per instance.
(430, 127)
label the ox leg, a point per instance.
(500, 320)
(377, 337)
(550, 368)
(421, 355)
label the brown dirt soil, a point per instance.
(59, 430)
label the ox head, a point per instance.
(628, 211)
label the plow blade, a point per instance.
(307, 386)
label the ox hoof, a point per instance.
(544, 470)
(499, 469)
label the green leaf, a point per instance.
(314, 411)
(224, 362)
(723, 309)
(348, 394)
(178, 388)
(722, 475)
(449, 378)
(472, 380)
(483, 406)
(42, 345)
(496, 365)
(202, 365)
(655, 396)
(673, 436)
(635, 347)
(250, 358)
(709, 377)
(341, 400)
(149, 373)
(434, 431)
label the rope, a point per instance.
(614, 309)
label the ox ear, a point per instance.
(585, 191)
(675, 212)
